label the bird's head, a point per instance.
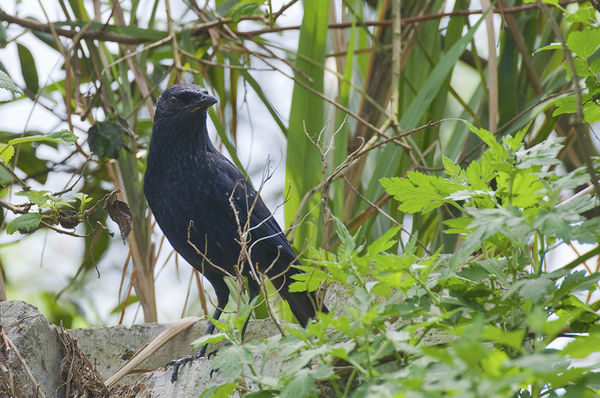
(183, 101)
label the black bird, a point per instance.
(188, 185)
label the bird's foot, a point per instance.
(178, 363)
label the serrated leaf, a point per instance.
(384, 242)
(230, 361)
(6, 152)
(587, 232)
(452, 169)
(486, 136)
(24, 223)
(542, 154)
(488, 222)
(347, 246)
(537, 290)
(556, 221)
(419, 192)
(577, 281)
(457, 225)
(64, 137)
(309, 280)
(36, 197)
(302, 385)
(522, 190)
(7, 83)
(511, 338)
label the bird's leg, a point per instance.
(222, 292)
(253, 291)
(209, 330)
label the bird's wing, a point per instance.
(246, 200)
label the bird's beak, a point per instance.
(203, 102)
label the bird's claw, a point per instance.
(212, 354)
(177, 363)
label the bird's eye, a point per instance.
(173, 101)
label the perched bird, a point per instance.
(190, 188)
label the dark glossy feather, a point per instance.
(190, 188)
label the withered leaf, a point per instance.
(120, 213)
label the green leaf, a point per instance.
(566, 104)
(511, 338)
(587, 232)
(209, 339)
(260, 394)
(247, 9)
(419, 192)
(487, 137)
(307, 114)
(452, 169)
(106, 139)
(577, 281)
(347, 247)
(7, 83)
(584, 43)
(582, 346)
(384, 242)
(64, 137)
(222, 391)
(522, 190)
(542, 154)
(24, 223)
(309, 280)
(553, 46)
(36, 197)
(457, 225)
(230, 361)
(557, 221)
(144, 34)
(3, 39)
(6, 152)
(28, 69)
(541, 363)
(302, 385)
(538, 290)
(583, 14)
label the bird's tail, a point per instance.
(303, 304)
